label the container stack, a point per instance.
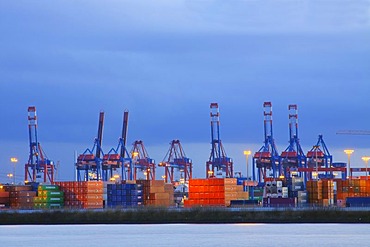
(72, 194)
(206, 192)
(314, 189)
(161, 194)
(351, 188)
(296, 190)
(295, 184)
(21, 196)
(321, 192)
(145, 187)
(327, 192)
(124, 195)
(274, 189)
(284, 192)
(4, 197)
(276, 195)
(357, 202)
(256, 193)
(86, 194)
(49, 196)
(214, 192)
(302, 198)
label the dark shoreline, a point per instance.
(175, 216)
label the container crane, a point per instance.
(119, 158)
(319, 157)
(218, 159)
(176, 159)
(89, 162)
(293, 156)
(142, 162)
(267, 159)
(38, 165)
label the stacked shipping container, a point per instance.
(351, 188)
(20, 196)
(4, 197)
(124, 195)
(214, 192)
(156, 193)
(161, 194)
(320, 192)
(87, 194)
(49, 196)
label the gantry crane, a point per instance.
(218, 159)
(319, 157)
(89, 162)
(119, 158)
(38, 165)
(267, 159)
(293, 156)
(142, 162)
(176, 160)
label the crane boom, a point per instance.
(124, 133)
(353, 132)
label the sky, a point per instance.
(166, 61)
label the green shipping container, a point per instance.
(48, 205)
(48, 187)
(48, 199)
(47, 193)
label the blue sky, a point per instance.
(166, 61)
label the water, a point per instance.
(186, 235)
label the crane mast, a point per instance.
(267, 159)
(218, 159)
(88, 164)
(119, 158)
(38, 165)
(293, 156)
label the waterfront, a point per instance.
(186, 234)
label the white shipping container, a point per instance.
(297, 180)
(302, 193)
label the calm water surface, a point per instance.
(187, 235)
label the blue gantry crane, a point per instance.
(293, 156)
(218, 159)
(119, 158)
(267, 159)
(176, 160)
(88, 164)
(38, 167)
(319, 157)
(142, 161)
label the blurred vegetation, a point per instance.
(193, 215)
